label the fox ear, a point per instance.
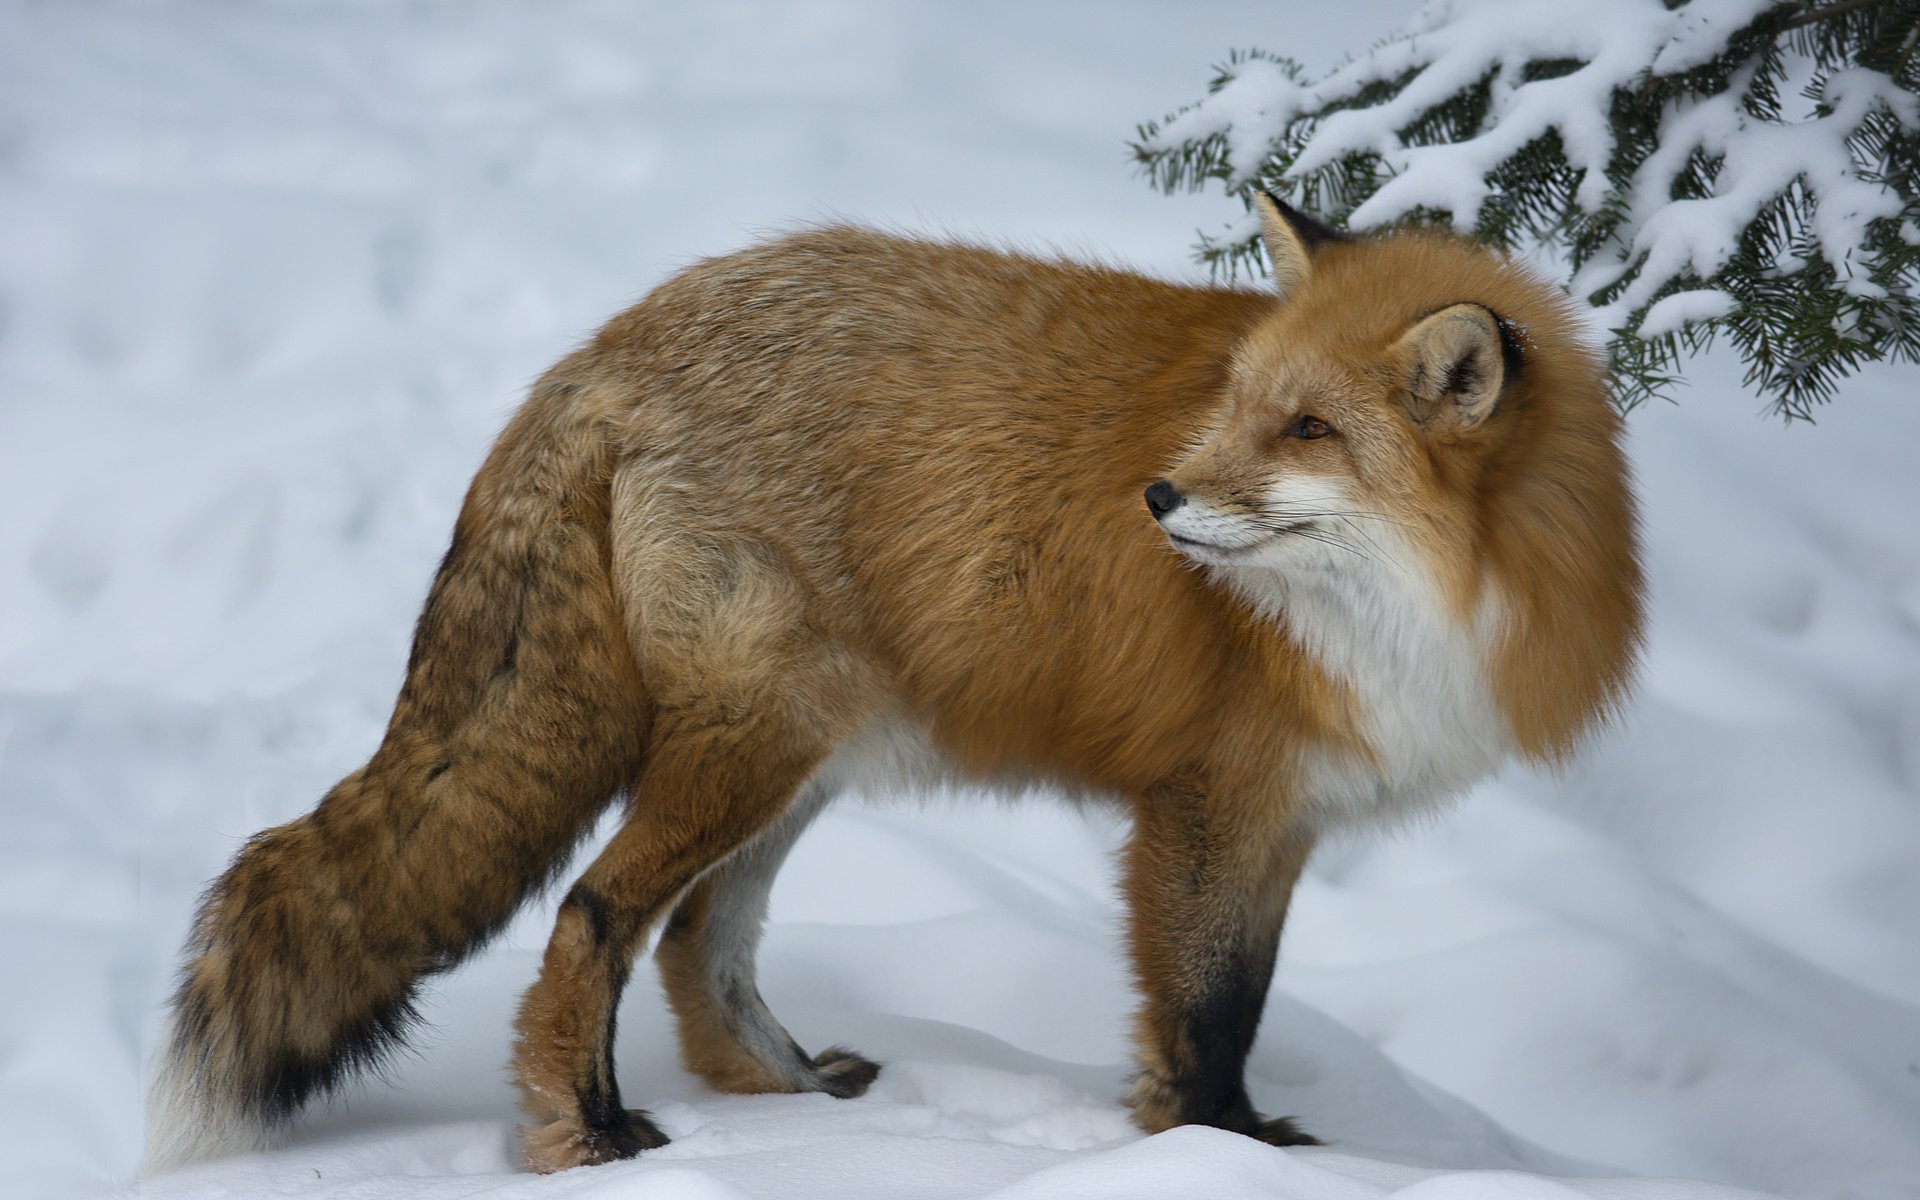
(1455, 366)
(1290, 237)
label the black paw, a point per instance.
(564, 1144)
(1281, 1131)
(843, 1073)
(626, 1134)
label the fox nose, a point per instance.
(1163, 498)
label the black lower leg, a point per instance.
(1217, 1033)
(612, 1130)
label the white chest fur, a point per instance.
(1379, 625)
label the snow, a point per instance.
(1759, 160)
(271, 276)
(1671, 313)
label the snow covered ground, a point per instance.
(272, 275)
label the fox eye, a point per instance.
(1309, 428)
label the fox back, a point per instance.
(946, 449)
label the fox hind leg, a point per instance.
(748, 700)
(706, 957)
(704, 792)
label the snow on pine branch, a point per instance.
(1745, 168)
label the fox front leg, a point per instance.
(1207, 896)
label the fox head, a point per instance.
(1419, 427)
(1365, 399)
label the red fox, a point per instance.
(1249, 566)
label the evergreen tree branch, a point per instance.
(1828, 12)
(1745, 169)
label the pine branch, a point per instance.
(1829, 11)
(1745, 169)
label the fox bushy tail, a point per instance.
(521, 716)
